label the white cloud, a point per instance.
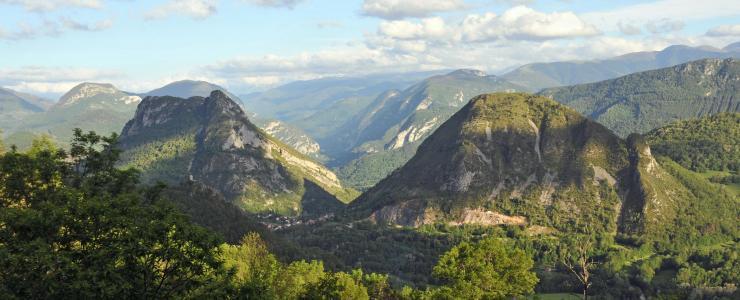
(643, 13)
(522, 22)
(725, 30)
(48, 28)
(664, 26)
(44, 80)
(196, 9)
(51, 5)
(517, 23)
(290, 4)
(97, 26)
(405, 30)
(628, 28)
(400, 9)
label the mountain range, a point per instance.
(537, 76)
(16, 106)
(88, 106)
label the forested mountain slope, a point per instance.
(643, 101)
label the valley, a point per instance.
(387, 185)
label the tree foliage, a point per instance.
(74, 226)
(489, 269)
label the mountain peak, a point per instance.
(189, 88)
(88, 90)
(214, 143)
(498, 148)
(732, 47)
(467, 72)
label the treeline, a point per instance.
(76, 226)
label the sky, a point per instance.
(48, 46)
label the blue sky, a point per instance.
(48, 46)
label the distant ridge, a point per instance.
(537, 76)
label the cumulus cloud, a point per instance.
(517, 23)
(195, 9)
(724, 30)
(405, 30)
(290, 4)
(522, 22)
(51, 5)
(400, 9)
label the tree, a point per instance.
(293, 280)
(576, 254)
(340, 286)
(42, 143)
(74, 226)
(489, 269)
(256, 268)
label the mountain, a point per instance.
(643, 101)
(384, 135)
(320, 106)
(211, 141)
(526, 160)
(189, 88)
(537, 76)
(290, 135)
(98, 107)
(16, 106)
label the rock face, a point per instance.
(211, 141)
(526, 160)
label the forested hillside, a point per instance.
(644, 101)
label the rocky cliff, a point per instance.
(211, 141)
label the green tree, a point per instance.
(74, 226)
(42, 143)
(294, 280)
(255, 267)
(340, 286)
(489, 269)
